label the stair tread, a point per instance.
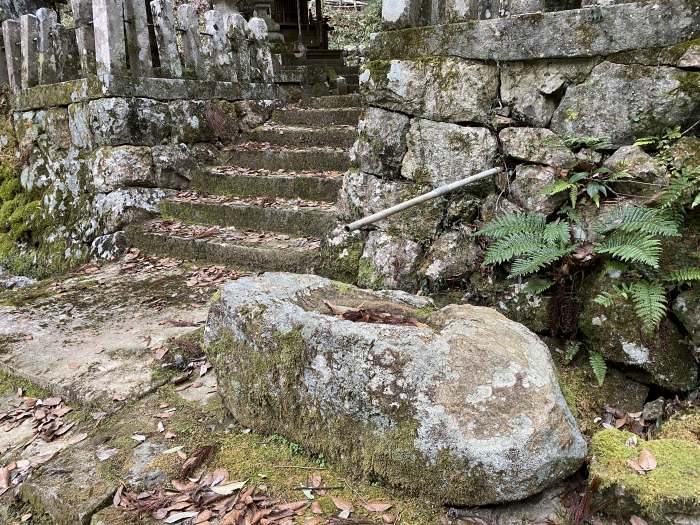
(190, 197)
(283, 148)
(225, 170)
(263, 240)
(291, 128)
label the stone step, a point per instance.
(258, 251)
(287, 159)
(317, 117)
(240, 182)
(334, 136)
(352, 100)
(293, 217)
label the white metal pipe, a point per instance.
(437, 192)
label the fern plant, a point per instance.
(598, 365)
(528, 241)
(594, 185)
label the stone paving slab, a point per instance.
(92, 338)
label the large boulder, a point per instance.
(440, 88)
(623, 102)
(440, 153)
(465, 410)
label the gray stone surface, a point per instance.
(691, 58)
(466, 410)
(686, 308)
(538, 145)
(400, 13)
(440, 153)
(381, 144)
(454, 255)
(389, 261)
(164, 25)
(174, 165)
(446, 89)
(533, 89)
(589, 33)
(115, 210)
(528, 182)
(117, 121)
(110, 46)
(648, 175)
(122, 166)
(624, 102)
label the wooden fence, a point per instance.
(134, 39)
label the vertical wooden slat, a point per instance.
(164, 22)
(47, 55)
(13, 54)
(29, 45)
(189, 27)
(110, 50)
(138, 43)
(84, 34)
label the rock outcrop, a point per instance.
(464, 409)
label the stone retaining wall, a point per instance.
(526, 92)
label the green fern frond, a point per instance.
(604, 299)
(539, 259)
(632, 247)
(556, 187)
(682, 188)
(696, 201)
(600, 369)
(556, 232)
(614, 266)
(649, 300)
(638, 219)
(572, 348)
(512, 246)
(684, 275)
(537, 286)
(513, 223)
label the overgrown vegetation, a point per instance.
(626, 238)
(352, 28)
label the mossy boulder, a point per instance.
(670, 493)
(463, 409)
(662, 357)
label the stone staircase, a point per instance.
(271, 200)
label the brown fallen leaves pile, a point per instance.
(368, 315)
(213, 498)
(46, 416)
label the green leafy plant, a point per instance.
(571, 350)
(600, 369)
(594, 186)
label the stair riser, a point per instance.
(243, 257)
(290, 160)
(343, 138)
(306, 188)
(330, 117)
(303, 222)
(331, 102)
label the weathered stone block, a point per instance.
(662, 357)
(203, 121)
(363, 194)
(648, 175)
(175, 164)
(117, 167)
(400, 13)
(381, 144)
(685, 153)
(58, 128)
(686, 307)
(253, 113)
(465, 411)
(389, 262)
(115, 210)
(533, 89)
(529, 181)
(440, 153)
(537, 145)
(79, 124)
(622, 102)
(137, 121)
(447, 89)
(452, 257)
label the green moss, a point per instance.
(682, 426)
(674, 485)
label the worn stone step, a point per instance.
(335, 136)
(258, 251)
(352, 100)
(241, 182)
(288, 159)
(293, 217)
(317, 116)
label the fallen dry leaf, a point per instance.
(342, 504)
(229, 488)
(377, 506)
(636, 520)
(646, 460)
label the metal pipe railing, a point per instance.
(437, 192)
